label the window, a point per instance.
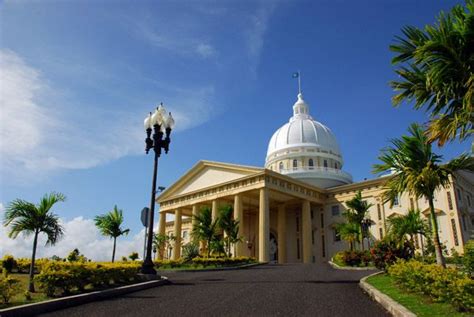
(464, 223)
(396, 201)
(295, 164)
(297, 224)
(412, 203)
(379, 212)
(325, 163)
(381, 233)
(337, 236)
(322, 221)
(335, 165)
(335, 210)
(311, 164)
(323, 246)
(312, 213)
(459, 195)
(450, 201)
(297, 248)
(455, 233)
(312, 236)
(185, 234)
(468, 197)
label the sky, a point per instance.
(79, 77)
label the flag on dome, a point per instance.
(296, 75)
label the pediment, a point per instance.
(206, 174)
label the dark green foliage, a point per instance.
(387, 251)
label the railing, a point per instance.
(317, 170)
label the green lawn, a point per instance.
(20, 299)
(419, 304)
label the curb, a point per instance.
(350, 268)
(231, 268)
(75, 300)
(388, 303)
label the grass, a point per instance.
(419, 304)
(20, 299)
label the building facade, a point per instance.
(288, 210)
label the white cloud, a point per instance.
(80, 233)
(38, 137)
(205, 50)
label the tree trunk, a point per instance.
(113, 252)
(361, 239)
(422, 247)
(434, 225)
(352, 246)
(208, 248)
(31, 286)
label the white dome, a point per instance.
(306, 149)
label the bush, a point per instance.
(468, 258)
(441, 284)
(9, 287)
(190, 251)
(222, 261)
(8, 264)
(386, 252)
(352, 258)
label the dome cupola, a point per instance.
(306, 149)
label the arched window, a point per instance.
(335, 165)
(280, 167)
(295, 164)
(311, 164)
(325, 163)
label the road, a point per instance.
(267, 290)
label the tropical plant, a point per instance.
(76, 256)
(440, 72)
(410, 225)
(357, 213)
(24, 217)
(205, 229)
(349, 232)
(109, 226)
(190, 251)
(133, 256)
(417, 170)
(8, 263)
(230, 226)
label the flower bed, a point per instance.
(441, 284)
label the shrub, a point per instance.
(133, 256)
(468, 258)
(8, 263)
(352, 258)
(386, 252)
(190, 251)
(9, 287)
(441, 284)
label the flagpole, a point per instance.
(299, 82)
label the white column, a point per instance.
(215, 209)
(239, 216)
(264, 227)
(177, 234)
(306, 224)
(161, 231)
(281, 234)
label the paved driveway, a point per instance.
(268, 290)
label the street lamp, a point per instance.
(161, 123)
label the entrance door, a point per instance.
(273, 248)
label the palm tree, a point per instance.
(25, 217)
(440, 72)
(162, 242)
(410, 225)
(417, 170)
(205, 229)
(230, 226)
(109, 226)
(349, 232)
(357, 212)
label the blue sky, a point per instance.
(80, 76)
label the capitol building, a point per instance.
(288, 210)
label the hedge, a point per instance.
(60, 278)
(441, 284)
(213, 261)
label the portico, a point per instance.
(266, 204)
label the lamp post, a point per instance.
(161, 124)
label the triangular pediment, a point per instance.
(207, 174)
